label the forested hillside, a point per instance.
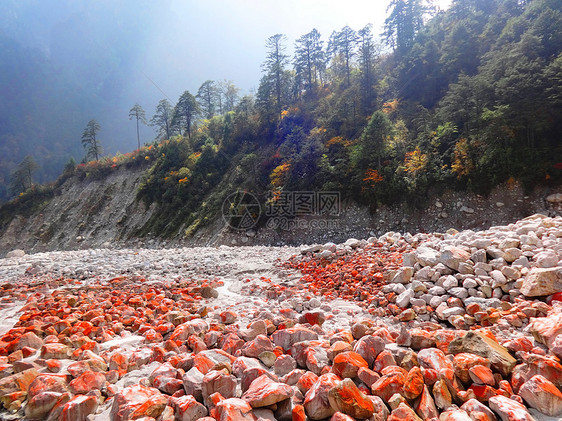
(464, 99)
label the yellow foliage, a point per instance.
(390, 106)
(511, 183)
(462, 163)
(182, 180)
(372, 177)
(338, 140)
(415, 161)
(277, 176)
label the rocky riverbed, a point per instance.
(445, 326)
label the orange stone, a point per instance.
(388, 385)
(414, 383)
(347, 364)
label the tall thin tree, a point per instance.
(90, 141)
(162, 119)
(274, 65)
(137, 112)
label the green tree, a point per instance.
(185, 113)
(403, 23)
(342, 48)
(373, 140)
(90, 141)
(162, 119)
(137, 112)
(228, 96)
(274, 67)
(22, 177)
(367, 56)
(309, 59)
(207, 98)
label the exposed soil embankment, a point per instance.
(104, 212)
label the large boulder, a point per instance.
(476, 343)
(542, 281)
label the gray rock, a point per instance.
(353, 243)
(15, 253)
(450, 282)
(403, 300)
(458, 292)
(452, 256)
(404, 275)
(427, 256)
(479, 256)
(484, 303)
(546, 259)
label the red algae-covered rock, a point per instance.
(433, 358)
(403, 413)
(340, 416)
(218, 381)
(18, 382)
(55, 350)
(47, 383)
(306, 381)
(168, 385)
(480, 374)
(414, 384)
(286, 338)
(191, 327)
(234, 409)
(547, 329)
(347, 398)
(464, 361)
(28, 339)
(313, 318)
(186, 408)
(347, 364)
(384, 359)
(369, 347)
(87, 381)
(442, 395)
(537, 364)
(478, 411)
(258, 345)
(263, 391)
(509, 409)
(39, 406)
(367, 376)
(137, 400)
(425, 405)
(542, 395)
(388, 385)
(79, 408)
(338, 347)
(316, 401)
(228, 317)
(284, 364)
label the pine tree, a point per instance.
(162, 119)
(137, 112)
(90, 141)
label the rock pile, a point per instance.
(458, 326)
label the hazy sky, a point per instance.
(225, 39)
(117, 53)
